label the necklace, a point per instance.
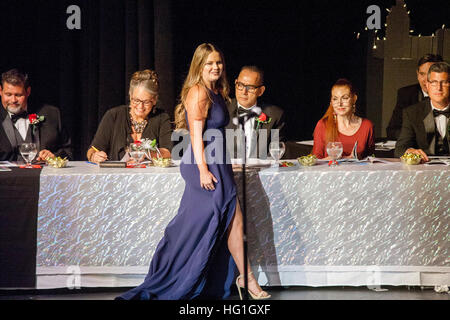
(138, 125)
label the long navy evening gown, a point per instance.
(192, 259)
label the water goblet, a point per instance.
(28, 152)
(137, 155)
(276, 150)
(334, 150)
(136, 152)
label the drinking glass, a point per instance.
(276, 150)
(334, 150)
(28, 152)
(136, 151)
(137, 156)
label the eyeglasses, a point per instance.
(138, 102)
(344, 99)
(250, 88)
(435, 83)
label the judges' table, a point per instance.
(370, 224)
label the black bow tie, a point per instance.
(439, 112)
(15, 117)
(245, 112)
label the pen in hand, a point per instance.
(102, 155)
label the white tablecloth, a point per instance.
(360, 224)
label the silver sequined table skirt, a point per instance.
(372, 224)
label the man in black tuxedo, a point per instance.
(409, 95)
(261, 124)
(15, 128)
(426, 125)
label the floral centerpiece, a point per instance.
(411, 158)
(149, 145)
(308, 160)
(57, 162)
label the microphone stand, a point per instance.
(242, 121)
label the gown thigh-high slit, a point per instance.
(192, 259)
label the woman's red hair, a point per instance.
(332, 132)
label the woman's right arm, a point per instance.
(197, 101)
(101, 139)
(319, 140)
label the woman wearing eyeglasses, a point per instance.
(127, 123)
(340, 123)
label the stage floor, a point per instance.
(278, 293)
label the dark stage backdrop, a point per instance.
(83, 72)
(303, 46)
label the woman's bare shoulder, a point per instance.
(197, 93)
(197, 99)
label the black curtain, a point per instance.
(83, 72)
(304, 47)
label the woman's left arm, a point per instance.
(370, 141)
(165, 136)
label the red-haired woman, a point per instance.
(341, 124)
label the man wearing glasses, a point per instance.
(409, 95)
(426, 126)
(261, 123)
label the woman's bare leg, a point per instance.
(236, 248)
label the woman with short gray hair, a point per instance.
(141, 119)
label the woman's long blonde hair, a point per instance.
(194, 78)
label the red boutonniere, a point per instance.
(35, 119)
(263, 118)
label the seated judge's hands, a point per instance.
(419, 152)
(99, 156)
(44, 154)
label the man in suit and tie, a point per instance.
(261, 123)
(409, 95)
(426, 126)
(21, 122)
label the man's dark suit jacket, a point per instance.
(406, 96)
(277, 122)
(418, 129)
(48, 134)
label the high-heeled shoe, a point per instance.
(258, 296)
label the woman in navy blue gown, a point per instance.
(193, 258)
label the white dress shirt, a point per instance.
(249, 126)
(21, 126)
(441, 120)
